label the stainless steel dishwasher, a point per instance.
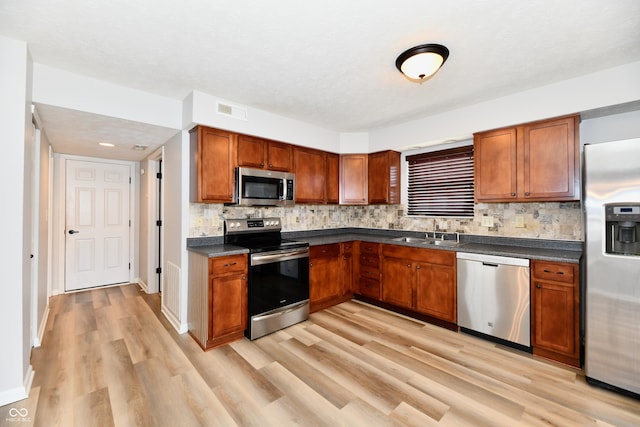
(493, 296)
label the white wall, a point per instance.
(61, 88)
(15, 83)
(611, 128)
(609, 87)
(42, 256)
(201, 108)
(176, 223)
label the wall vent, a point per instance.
(232, 111)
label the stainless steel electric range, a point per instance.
(278, 285)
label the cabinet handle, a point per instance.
(261, 164)
(270, 165)
(547, 271)
(418, 268)
(513, 194)
(526, 194)
(538, 285)
(408, 265)
(559, 272)
(228, 265)
(244, 277)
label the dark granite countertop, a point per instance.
(540, 249)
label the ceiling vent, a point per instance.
(232, 111)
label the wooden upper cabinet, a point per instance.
(531, 162)
(263, 154)
(332, 178)
(354, 179)
(279, 156)
(551, 165)
(495, 165)
(251, 152)
(384, 178)
(213, 161)
(309, 167)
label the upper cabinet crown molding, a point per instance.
(531, 162)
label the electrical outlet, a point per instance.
(519, 221)
(487, 221)
(199, 221)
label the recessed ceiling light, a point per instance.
(106, 144)
(140, 147)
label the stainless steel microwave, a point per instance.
(259, 187)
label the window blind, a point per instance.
(441, 183)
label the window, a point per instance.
(441, 183)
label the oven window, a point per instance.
(260, 188)
(278, 284)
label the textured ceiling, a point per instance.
(330, 63)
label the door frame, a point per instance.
(59, 212)
(155, 243)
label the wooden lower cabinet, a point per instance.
(555, 308)
(369, 270)
(348, 270)
(217, 307)
(421, 280)
(325, 276)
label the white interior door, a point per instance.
(97, 224)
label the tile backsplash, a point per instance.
(550, 220)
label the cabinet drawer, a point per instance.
(370, 272)
(220, 266)
(557, 272)
(369, 248)
(328, 251)
(370, 288)
(370, 260)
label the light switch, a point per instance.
(519, 221)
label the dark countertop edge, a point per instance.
(539, 249)
(216, 250)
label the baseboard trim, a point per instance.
(18, 393)
(181, 328)
(37, 341)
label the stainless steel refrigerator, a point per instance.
(612, 267)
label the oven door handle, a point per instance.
(271, 257)
(279, 313)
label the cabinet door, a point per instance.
(550, 160)
(397, 282)
(216, 161)
(495, 165)
(279, 156)
(251, 151)
(353, 179)
(333, 178)
(554, 316)
(384, 178)
(348, 268)
(436, 291)
(310, 173)
(228, 301)
(325, 278)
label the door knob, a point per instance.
(73, 231)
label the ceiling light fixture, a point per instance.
(106, 144)
(421, 62)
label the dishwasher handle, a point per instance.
(489, 264)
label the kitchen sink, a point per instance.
(411, 239)
(449, 243)
(423, 241)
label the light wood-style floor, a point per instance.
(110, 358)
